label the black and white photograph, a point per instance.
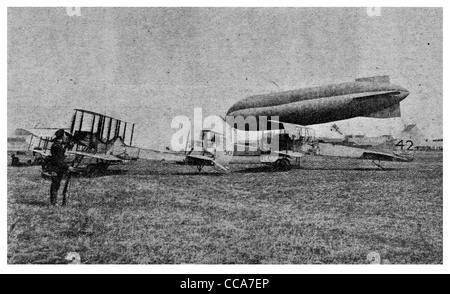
(224, 135)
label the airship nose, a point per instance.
(402, 93)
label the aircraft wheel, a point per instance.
(282, 164)
(93, 170)
(90, 171)
(39, 160)
(45, 166)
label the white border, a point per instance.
(210, 269)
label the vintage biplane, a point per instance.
(39, 141)
(98, 141)
(296, 142)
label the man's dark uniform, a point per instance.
(14, 160)
(57, 166)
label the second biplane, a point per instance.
(296, 142)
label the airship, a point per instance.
(365, 97)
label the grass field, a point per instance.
(329, 211)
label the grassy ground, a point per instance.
(328, 211)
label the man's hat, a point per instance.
(59, 134)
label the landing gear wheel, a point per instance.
(39, 160)
(199, 168)
(282, 164)
(93, 170)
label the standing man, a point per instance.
(56, 164)
(15, 160)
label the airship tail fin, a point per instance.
(375, 79)
(393, 111)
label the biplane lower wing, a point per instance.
(381, 156)
(291, 154)
(199, 160)
(105, 157)
(201, 157)
(150, 154)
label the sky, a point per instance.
(149, 65)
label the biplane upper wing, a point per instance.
(44, 133)
(40, 139)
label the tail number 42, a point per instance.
(409, 145)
